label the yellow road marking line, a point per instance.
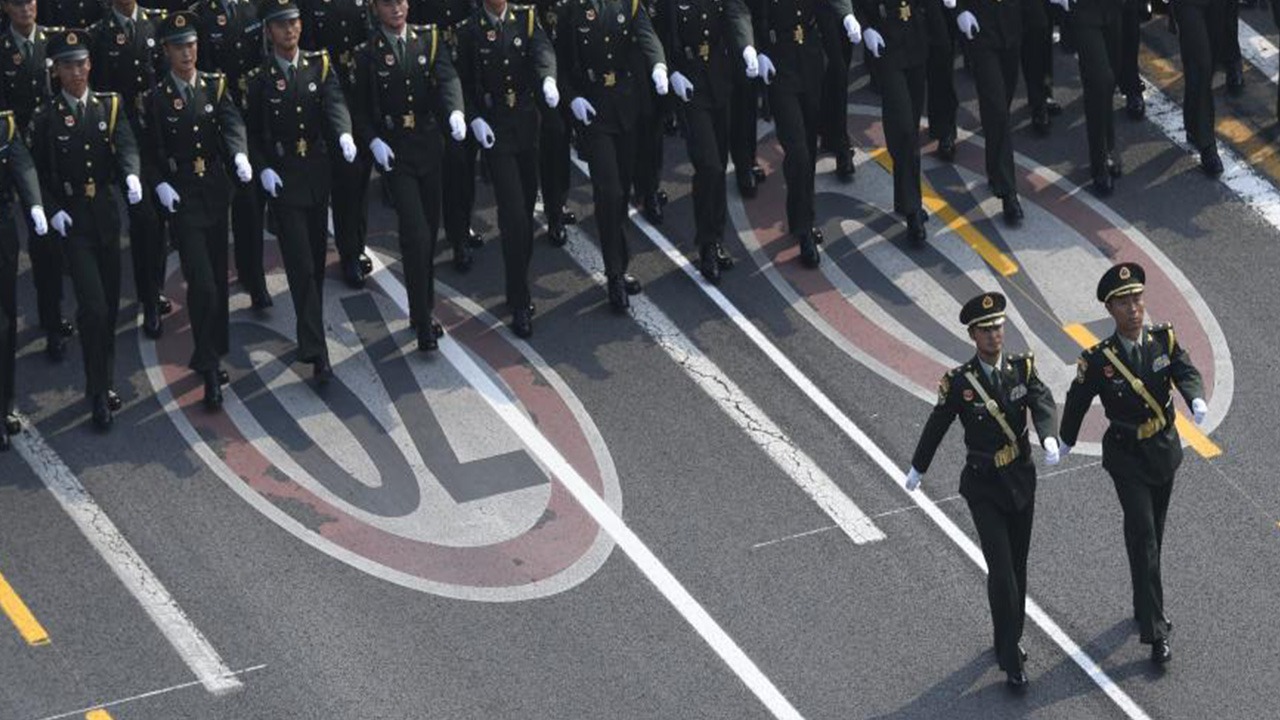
(99, 714)
(20, 615)
(1198, 440)
(955, 222)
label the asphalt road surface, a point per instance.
(695, 511)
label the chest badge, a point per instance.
(1018, 392)
(389, 60)
(1108, 371)
(120, 39)
(70, 120)
(491, 35)
(222, 20)
(1160, 363)
(280, 84)
(591, 17)
(178, 104)
(17, 58)
(968, 395)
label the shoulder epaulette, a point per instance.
(314, 53)
(104, 94)
(253, 72)
(1166, 329)
(160, 13)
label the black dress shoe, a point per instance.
(152, 327)
(522, 322)
(568, 217)
(652, 209)
(947, 148)
(321, 371)
(1235, 79)
(113, 401)
(1040, 121)
(164, 304)
(809, 255)
(1115, 168)
(366, 265)
(708, 264)
(1052, 107)
(1210, 163)
(437, 330)
(428, 342)
(223, 377)
(12, 424)
(261, 300)
(723, 258)
(102, 413)
(1161, 653)
(915, 229)
(212, 391)
(66, 329)
(352, 273)
(474, 239)
(1103, 184)
(462, 257)
(557, 236)
(844, 165)
(759, 173)
(747, 184)
(617, 292)
(1135, 105)
(1012, 209)
(818, 236)
(1016, 680)
(631, 284)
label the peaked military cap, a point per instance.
(986, 310)
(270, 10)
(179, 28)
(1123, 279)
(70, 45)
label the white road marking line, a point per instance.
(142, 696)
(828, 528)
(127, 565)
(873, 451)
(1259, 51)
(1064, 471)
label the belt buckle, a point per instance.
(1006, 455)
(90, 190)
(409, 121)
(511, 98)
(301, 147)
(610, 79)
(704, 51)
(1149, 428)
(798, 35)
(198, 166)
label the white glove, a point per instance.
(752, 59)
(968, 24)
(457, 125)
(481, 131)
(767, 70)
(1063, 450)
(38, 221)
(244, 171)
(271, 182)
(134, 187)
(852, 29)
(550, 92)
(583, 110)
(61, 222)
(913, 479)
(682, 86)
(1200, 409)
(659, 75)
(348, 145)
(168, 196)
(382, 154)
(873, 41)
(949, 4)
(1064, 4)
(1051, 454)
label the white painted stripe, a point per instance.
(877, 455)
(125, 562)
(141, 696)
(1259, 51)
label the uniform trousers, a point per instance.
(9, 304)
(303, 245)
(1098, 50)
(1005, 536)
(202, 248)
(795, 116)
(93, 260)
(553, 163)
(1198, 27)
(995, 76)
(901, 105)
(515, 187)
(416, 194)
(1145, 507)
(610, 157)
(707, 140)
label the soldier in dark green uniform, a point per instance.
(406, 89)
(992, 395)
(1134, 372)
(126, 59)
(191, 133)
(82, 145)
(507, 67)
(295, 115)
(896, 34)
(339, 26)
(17, 172)
(704, 40)
(24, 86)
(594, 50)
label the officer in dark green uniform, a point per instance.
(231, 42)
(406, 89)
(70, 13)
(17, 172)
(1134, 372)
(24, 86)
(896, 35)
(191, 133)
(992, 394)
(553, 147)
(793, 50)
(82, 145)
(295, 116)
(507, 67)
(705, 40)
(594, 58)
(339, 26)
(1096, 26)
(126, 59)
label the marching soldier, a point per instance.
(126, 60)
(1134, 372)
(553, 149)
(18, 173)
(339, 26)
(896, 34)
(82, 145)
(505, 62)
(190, 127)
(403, 76)
(71, 13)
(992, 395)
(24, 86)
(794, 53)
(704, 40)
(593, 57)
(1096, 28)
(295, 113)
(231, 42)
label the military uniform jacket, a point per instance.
(1011, 486)
(230, 43)
(999, 23)
(405, 105)
(904, 25)
(17, 169)
(1152, 459)
(124, 64)
(70, 13)
(788, 34)
(189, 144)
(335, 25)
(501, 67)
(703, 40)
(79, 160)
(24, 83)
(291, 125)
(594, 56)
